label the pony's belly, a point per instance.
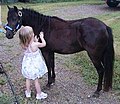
(68, 51)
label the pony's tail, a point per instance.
(108, 61)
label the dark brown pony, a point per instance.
(68, 37)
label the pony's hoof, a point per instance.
(52, 84)
(106, 89)
(48, 86)
(96, 95)
(53, 80)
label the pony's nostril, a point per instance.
(9, 36)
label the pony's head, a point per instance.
(14, 19)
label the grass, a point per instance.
(5, 99)
(80, 61)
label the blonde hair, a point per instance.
(25, 36)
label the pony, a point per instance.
(68, 37)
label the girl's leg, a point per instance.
(28, 85)
(37, 86)
(40, 94)
(28, 91)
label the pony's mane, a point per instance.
(35, 13)
(31, 11)
(35, 17)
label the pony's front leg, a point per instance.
(47, 57)
(49, 77)
(52, 62)
(51, 72)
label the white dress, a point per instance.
(33, 64)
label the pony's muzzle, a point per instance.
(9, 34)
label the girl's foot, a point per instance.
(27, 94)
(41, 96)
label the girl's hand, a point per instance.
(43, 42)
(41, 35)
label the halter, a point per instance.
(9, 28)
(18, 25)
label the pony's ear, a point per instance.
(15, 8)
(8, 7)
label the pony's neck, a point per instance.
(34, 19)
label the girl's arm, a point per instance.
(35, 39)
(43, 42)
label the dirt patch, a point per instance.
(69, 87)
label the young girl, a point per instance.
(33, 64)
